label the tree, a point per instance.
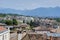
(23, 21)
(31, 23)
(57, 19)
(34, 23)
(2, 21)
(28, 22)
(15, 22)
(8, 22)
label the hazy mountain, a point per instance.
(8, 10)
(35, 12)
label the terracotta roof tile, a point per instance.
(2, 28)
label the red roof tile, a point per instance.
(2, 28)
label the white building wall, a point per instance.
(5, 35)
(19, 36)
(1, 37)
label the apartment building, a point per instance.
(4, 33)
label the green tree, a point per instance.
(28, 22)
(2, 21)
(23, 21)
(15, 22)
(31, 23)
(57, 19)
(8, 22)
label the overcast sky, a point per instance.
(28, 4)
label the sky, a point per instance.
(28, 4)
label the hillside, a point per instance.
(35, 12)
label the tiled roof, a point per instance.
(2, 24)
(2, 29)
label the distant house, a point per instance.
(4, 33)
(2, 24)
(40, 28)
(1, 18)
(21, 27)
(56, 26)
(56, 30)
(8, 17)
(10, 27)
(53, 36)
(24, 26)
(6, 26)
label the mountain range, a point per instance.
(43, 12)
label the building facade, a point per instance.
(4, 34)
